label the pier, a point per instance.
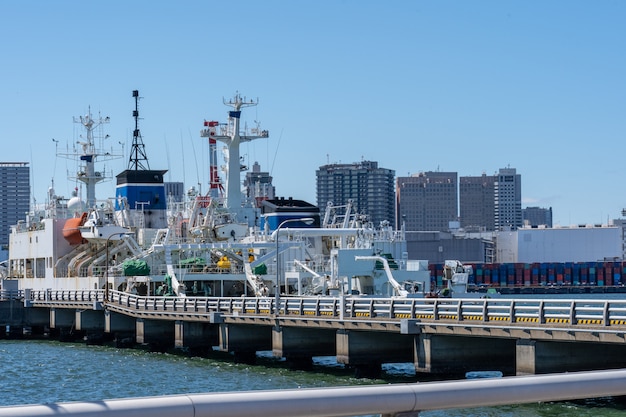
(438, 335)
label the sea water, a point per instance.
(41, 371)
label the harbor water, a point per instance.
(42, 371)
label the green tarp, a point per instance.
(136, 267)
(260, 269)
(192, 262)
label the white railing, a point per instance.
(388, 400)
(540, 311)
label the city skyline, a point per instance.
(417, 86)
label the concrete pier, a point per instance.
(459, 354)
(62, 318)
(157, 334)
(299, 345)
(367, 351)
(195, 336)
(89, 320)
(541, 357)
(439, 336)
(118, 323)
(244, 340)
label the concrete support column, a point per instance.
(118, 323)
(244, 340)
(62, 318)
(194, 335)
(542, 357)
(459, 354)
(158, 334)
(89, 320)
(367, 351)
(299, 345)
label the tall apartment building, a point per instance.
(477, 203)
(537, 216)
(427, 201)
(508, 200)
(370, 188)
(14, 196)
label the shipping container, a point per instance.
(543, 273)
(592, 273)
(526, 275)
(534, 275)
(608, 274)
(576, 274)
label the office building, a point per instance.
(370, 188)
(258, 185)
(537, 216)
(508, 200)
(174, 192)
(477, 203)
(427, 201)
(14, 196)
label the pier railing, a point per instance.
(578, 312)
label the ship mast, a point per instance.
(215, 186)
(87, 173)
(230, 135)
(137, 151)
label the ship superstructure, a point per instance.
(218, 244)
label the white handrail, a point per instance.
(347, 401)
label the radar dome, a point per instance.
(75, 205)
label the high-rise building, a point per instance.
(537, 216)
(174, 191)
(508, 200)
(258, 185)
(427, 201)
(477, 203)
(370, 188)
(14, 196)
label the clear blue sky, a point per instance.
(465, 86)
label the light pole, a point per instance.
(106, 270)
(305, 220)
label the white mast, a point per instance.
(87, 153)
(232, 138)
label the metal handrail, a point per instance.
(573, 312)
(388, 400)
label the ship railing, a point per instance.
(66, 295)
(11, 295)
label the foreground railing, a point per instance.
(539, 311)
(388, 400)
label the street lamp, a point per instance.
(106, 270)
(305, 220)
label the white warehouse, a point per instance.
(561, 244)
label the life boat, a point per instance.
(71, 231)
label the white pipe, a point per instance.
(348, 401)
(401, 291)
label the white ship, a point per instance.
(218, 244)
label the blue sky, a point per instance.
(465, 86)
